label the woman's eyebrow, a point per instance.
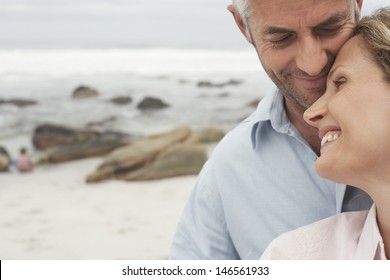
(332, 71)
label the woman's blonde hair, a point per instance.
(375, 30)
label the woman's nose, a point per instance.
(316, 112)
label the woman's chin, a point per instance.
(326, 169)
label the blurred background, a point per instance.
(123, 48)
(122, 24)
(117, 23)
(187, 55)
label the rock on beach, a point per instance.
(137, 155)
(104, 144)
(121, 100)
(62, 143)
(151, 103)
(158, 156)
(19, 102)
(209, 84)
(85, 92)
(179, 160)
(5, 159)
(51, 135)
(175, 153)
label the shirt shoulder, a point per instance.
(242, 137)
(333, 238)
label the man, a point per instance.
(260, 180)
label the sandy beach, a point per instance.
(52, 214)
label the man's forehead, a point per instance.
(319, 14)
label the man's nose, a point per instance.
(312, 57)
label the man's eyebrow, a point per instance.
(335, 19)
(276, 30)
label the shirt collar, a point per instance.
(370, 245)
(270, 109)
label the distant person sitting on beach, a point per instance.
(23, 163)
(352, 121)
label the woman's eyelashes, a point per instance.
(339, 82)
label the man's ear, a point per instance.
(360, 4)
(240, 23)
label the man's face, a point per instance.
(297, 42)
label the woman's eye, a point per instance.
(338, 82)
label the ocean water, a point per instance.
(50, 76)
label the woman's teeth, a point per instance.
(330, 137)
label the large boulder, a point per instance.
(178, 160)
(138, 154)
(5, 160)
(151, 103)
(49, 135)
(84, 92)
(104, 144)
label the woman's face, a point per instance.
(353, 118)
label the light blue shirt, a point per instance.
(259, 182)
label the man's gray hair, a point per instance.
(242, 7)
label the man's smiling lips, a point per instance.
(312, 82)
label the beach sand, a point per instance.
(52, 214)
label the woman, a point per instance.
(353, 120)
